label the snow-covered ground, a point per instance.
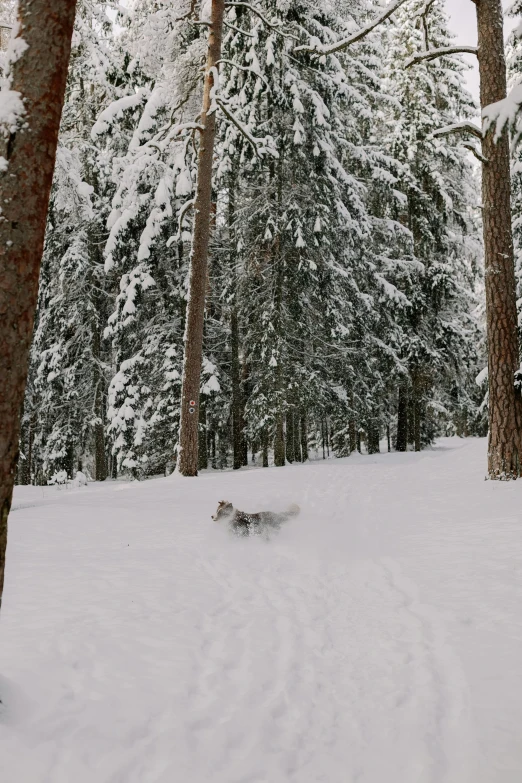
(377, 638)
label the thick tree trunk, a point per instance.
(504, 448)
(188, 437)
(39, 75)
(402, 420)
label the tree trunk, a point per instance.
(39, 75)
(242, 419)
(236, 392)
(304, 436)
(202, 436)
(373, 438)
(279, 441)
(290, 456)
(504, 447)
(100, 460)
(402, 420)
(297, 437)
(416, 423)
(265, 447)
(327, 436)
(188, 437)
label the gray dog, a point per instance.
(244, 524)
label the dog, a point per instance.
(243, 524)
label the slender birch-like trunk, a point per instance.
(39, 75)
(188, 437)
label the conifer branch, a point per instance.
(459, 127)
(247, 69)
(276, 28)
(432, 54)
(321, 49)
(183, 211)
(259, 145)
(237, 29)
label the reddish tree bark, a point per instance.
(188, 436)
(504, 444)
(39, 75)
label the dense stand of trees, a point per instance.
(342, 299)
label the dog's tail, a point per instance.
(293, 510)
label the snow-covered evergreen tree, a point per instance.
(440, 335)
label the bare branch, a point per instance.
(320, 49)
(479, 156)
(237, 29)
(432, 54)
(459, 127)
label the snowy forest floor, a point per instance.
(377, 638)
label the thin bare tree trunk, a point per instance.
(236, 391)
(188, 437)
(503, 356)
(202, 436)
(290, 435)
(39, 75)
(100, 459)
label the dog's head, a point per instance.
(224, 509)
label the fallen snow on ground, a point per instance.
(377, 638)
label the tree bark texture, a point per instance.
(39, 75)
(188, 438)
(504, 445)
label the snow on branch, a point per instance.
(247, 69)
(260, 146)
(432, 54)
(503, 112)
(12, 109)
(321, 49)
(271, 25)
(183, 211)
(458, 127)
(115, 111)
